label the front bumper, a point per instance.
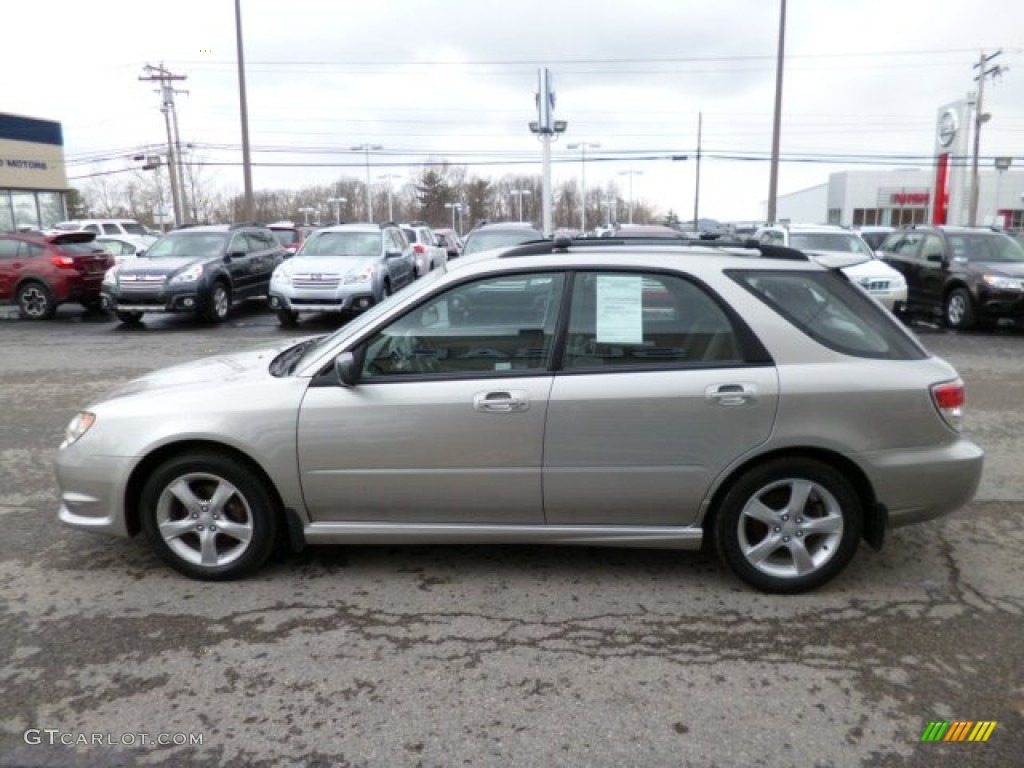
(165, 298)
(354, 298)
(92, 491)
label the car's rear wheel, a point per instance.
(35, 302)
(218, 305)
(959, 309)
(288, 318)
(208, 516)
(789, 525)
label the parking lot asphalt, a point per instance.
(490, 656)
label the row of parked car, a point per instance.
(118, 265)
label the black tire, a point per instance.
(129, 318)
(93, 305)
(35, 301)
(219, 512)
(288, 318)
(385, 290)
(958, 310)
(775, 547)
(218, 305)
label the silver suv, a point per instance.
(345, 268)
(871, 273)
(651, 395)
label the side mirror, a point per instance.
(935, 258)
(347, 369)
(393, 255)
(234, 255)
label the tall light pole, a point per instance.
(307, 210)
(368, 148)
(773, 179)
(583, 146)
(454, 207)
(387, 178)
(519, 193)
(244, 110)
(631, 173)
(337, 201)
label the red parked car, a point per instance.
(38, 272)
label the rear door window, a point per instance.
(826, 307)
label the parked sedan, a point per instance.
(345, 268)
(559, 393)
(965, 276)
(39, 272)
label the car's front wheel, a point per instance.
(959, 309)
(218, 305)
(208, 516)
(287, 318)
(789, 525)
(35, 302)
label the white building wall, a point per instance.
(850, 190)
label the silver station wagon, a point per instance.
(663, 395)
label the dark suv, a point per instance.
(964, 275)
(38, 272)
(203, 270)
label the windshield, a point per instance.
(188, 244)
(367, 318)
(286, 236)
(359, 244)
(483, 241)
(829, 241)
(985, 247)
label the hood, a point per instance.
(855, 265)
(205, 371)
(328, 265)
(162, 266)
(1002, 268)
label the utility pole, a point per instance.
(979, 118)
(243, 108)
(368, 148)
(696, 192)
(167, 91)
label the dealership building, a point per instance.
(33, 178)
(938, 195)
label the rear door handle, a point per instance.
(507, 401)
(731, 394)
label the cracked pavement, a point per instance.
(492, 656)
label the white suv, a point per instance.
(429, 255)
(104, 226)
(872, 274)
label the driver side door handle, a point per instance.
(502, 401)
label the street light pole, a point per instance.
(582, 146)
(631, 173)
(454, 207)
(387, 178)
(368, 148)
(337, 201)
(519, 193)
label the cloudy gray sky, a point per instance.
(456, 79)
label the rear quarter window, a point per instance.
(833, 312)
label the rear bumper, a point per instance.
(922, 484)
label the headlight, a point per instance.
(362, 276)
(79, 425)
(1004, 283)
(282, 276)
(110, 277)
(190, 275)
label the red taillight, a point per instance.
(64, 262)
(419, 248)
(949, 398)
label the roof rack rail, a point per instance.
(561, 244)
